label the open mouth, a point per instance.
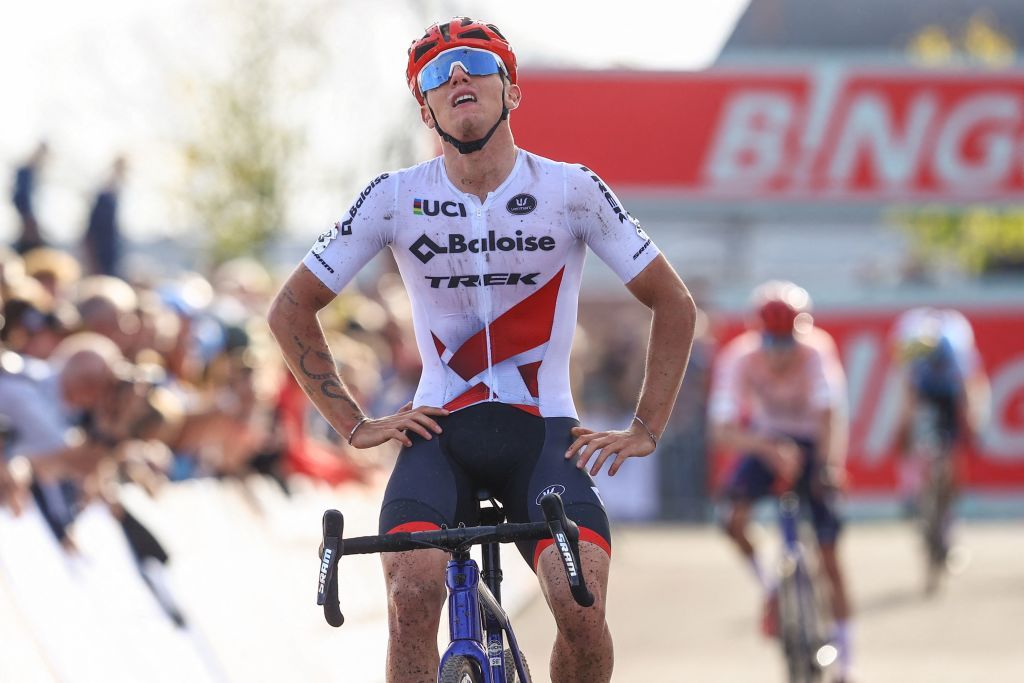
(463, 99)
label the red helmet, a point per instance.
(457, 32)
(780, 305)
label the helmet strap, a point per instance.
(471, 145)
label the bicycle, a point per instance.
(474, 607)
(932, 446)
(802, 607)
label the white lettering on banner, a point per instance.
(860, 355)
(870, 127)
(861, 358)
(1005, 441)
(882, 428)
(997, 116)
(750, 143)
(865, 138)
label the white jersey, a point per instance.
(745, 387)
(493, 285)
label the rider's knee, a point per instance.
(578, 624)
(417, 597)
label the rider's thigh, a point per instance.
(415, 580)
(568, 614)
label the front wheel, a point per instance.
(459, 669)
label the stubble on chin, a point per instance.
(466, 128)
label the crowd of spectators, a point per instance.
(104, 379)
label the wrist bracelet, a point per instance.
(358, 425)
(647, 429)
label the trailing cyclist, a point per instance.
(943, 404)
(778, 399)
(490, 240)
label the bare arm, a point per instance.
(294, 324)
(668, 351)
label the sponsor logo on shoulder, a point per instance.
(641, 234)
(636, 224)
(609, 197)
(553, 488)
(325, 238)
(345, 226)
(521, 204)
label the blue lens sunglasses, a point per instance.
(473, 61)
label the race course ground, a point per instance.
(682, 607)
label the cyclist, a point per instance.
(778, 398)
(490, 241)
(942, 376)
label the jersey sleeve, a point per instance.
(596, 216)
(366, 228)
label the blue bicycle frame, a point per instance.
(466, 596)
(805, 656)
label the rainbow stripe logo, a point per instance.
(417, 207)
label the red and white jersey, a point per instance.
(493, 284)
(746, 387)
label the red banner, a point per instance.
(996, 462)
(826, 133)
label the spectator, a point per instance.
(108, 306)
(102, 241)
(22, 196)
(56, 270)
(35, 328)
(45, 402)
(12, 270)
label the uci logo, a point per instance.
(553, 488)
(521, 204)
(428, 207)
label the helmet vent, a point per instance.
(466, 21)
(423, 49)
(445, 32)
(495, 29)
(475, 33)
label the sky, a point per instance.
(112, 77)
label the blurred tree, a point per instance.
(250, 138)
(981, 239)
(238, 162)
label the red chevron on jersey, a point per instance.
(525, 326)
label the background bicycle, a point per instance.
(804, 617)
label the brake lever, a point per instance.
(567, 539)
(330, 552)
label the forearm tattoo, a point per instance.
(329, 386)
